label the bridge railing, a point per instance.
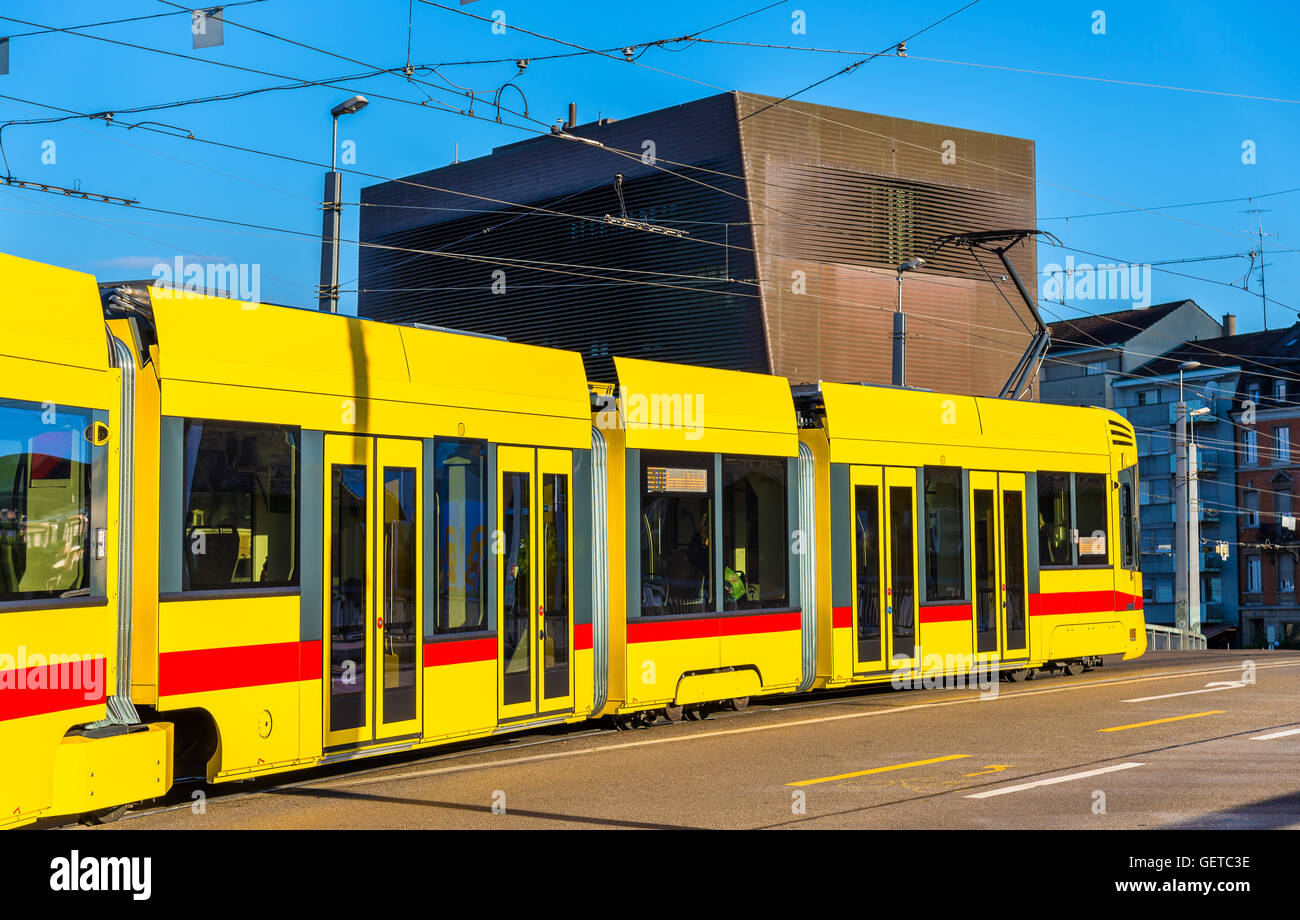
(1162, 638)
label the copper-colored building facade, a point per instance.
(798, 215)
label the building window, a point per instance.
(1254, 393)
(945, 533)
(1148, 397)
(1164, 591)
(1095, 367)
(1250, 446)
(45, 500)
(241, 505)
(1253, 578)
(1282, 503)
(1286, 573)
(676, 533)
(460, 495)
(1279, 390)
(1282, 444)
(755, 553)
(1055, 523)
(1250, 508)
(1090, 505)
(1144, 492)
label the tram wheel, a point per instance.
(104, 816)
(1015, 676)
(1071, 668)
(674, 713)
(646, 718)
(739, 704)
(697, 713)
(625, 721)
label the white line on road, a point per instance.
(693, 736)
(379, 776)
(1055, 779)
(1213, 687)
(1289, 731)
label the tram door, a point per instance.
(372, 500)
(1000, 566)
(534, 582)
(884, 568)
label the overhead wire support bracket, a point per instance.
(999, 242)
(630, 224)
(69, 192)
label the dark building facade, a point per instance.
(795, 217)
(1267, 419)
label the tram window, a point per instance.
(1054, 520)
(45, 501)
(1090, 505)
(755, 554)
(945, 530)
(676, 533)
(1128, 522)
(460, 482)
(241, 505)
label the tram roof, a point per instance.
(50, 314)
(683, 407)
(217, 340)
(874, 413)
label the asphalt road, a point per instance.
(1173, 740)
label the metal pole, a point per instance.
(1180, 515)
(1193, 540)
(332, 206)
(900, 340)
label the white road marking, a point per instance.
(555, 755)
(1055, 779)
(1212, 687)
(1289, 731)
(380, 777)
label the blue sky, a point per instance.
(1100, 146)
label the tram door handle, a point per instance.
(541, 623)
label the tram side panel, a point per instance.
(60, 461)
(709, 506)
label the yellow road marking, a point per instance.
(390, 775)
(897, 766)
(1195, 715)
(991, 768)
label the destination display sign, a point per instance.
(676, 479)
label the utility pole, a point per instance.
(1193, 535)
(333, 208)
(1186, 598)
(899, 376)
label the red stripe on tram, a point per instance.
(948, 613)
(462, 651)
(649, 630)
(47, 688)
(206, 669)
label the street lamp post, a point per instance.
(1187, 576)
(332, 205)
(900, 326)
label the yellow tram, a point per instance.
(293, 538)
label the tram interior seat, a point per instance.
(216, 564)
